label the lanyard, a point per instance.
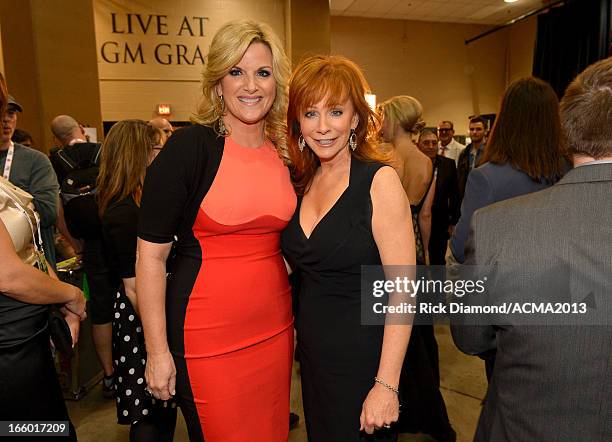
(35, 229)
(9, 161)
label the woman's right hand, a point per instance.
(78, 303)
(160, 374)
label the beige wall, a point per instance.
(307, 28)
(49, 62)
(53, 72)
(521, 46)
(133, 89)
(430, 62)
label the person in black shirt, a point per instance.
(77, 157)
(129, 147)
(446, 204)
(470, 157)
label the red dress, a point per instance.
(230, 324)
(239, 325)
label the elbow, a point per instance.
(10, 278)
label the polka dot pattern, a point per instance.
(130, 361)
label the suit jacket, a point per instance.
(550, 383)
(445, 206)
(463, 166)
(486, 185)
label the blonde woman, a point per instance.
(127, 151)
(401, 121)
(219, 332)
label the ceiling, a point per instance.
(490, 12)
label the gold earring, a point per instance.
(353, 140)
(221, 129)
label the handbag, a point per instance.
(15, 206)
(60, 332)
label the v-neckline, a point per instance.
(333, 206)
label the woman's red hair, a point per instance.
(335, 79)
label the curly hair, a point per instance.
(226, 50)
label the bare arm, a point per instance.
(129, 284)
(61, 225)
(425, 216)
(28, 284)
(151, 297)
(392, 229)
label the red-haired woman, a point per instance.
(352, 211)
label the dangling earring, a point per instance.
(221, 129)
(301, 143)
(353, 140)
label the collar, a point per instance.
(75, 141)
(595, 171)
(593, 163)
(479, 149)
(11, 144)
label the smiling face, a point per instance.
(326, 128)
(249, 88)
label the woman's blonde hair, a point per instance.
(124, 159)
(226, 50)
(335, 79)
(404, 111)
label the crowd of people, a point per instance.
(188, 237)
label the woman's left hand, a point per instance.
(380, 409)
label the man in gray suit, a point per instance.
(553, 382)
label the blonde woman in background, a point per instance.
(423, 405)
(401, 122)
(219, 333)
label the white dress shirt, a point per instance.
(452, 150)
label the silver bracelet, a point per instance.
(387, 386)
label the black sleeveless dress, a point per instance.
(339, 357)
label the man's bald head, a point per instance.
(162, 125)
(65, 128)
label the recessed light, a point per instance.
(510, 1)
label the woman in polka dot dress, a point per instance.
(129, 147)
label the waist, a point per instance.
(20, 322)
(244, 247)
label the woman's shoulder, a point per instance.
(368, 167)
(188, 152)
(500, 172)
(120, 209)
(194, 137)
